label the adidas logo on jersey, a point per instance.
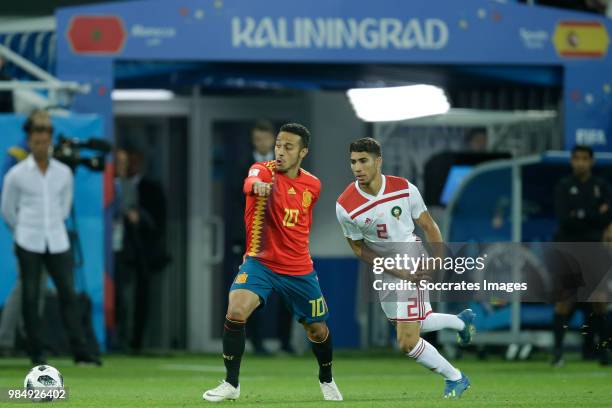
(291, 191)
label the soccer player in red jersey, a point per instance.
(280, 197)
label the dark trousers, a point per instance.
(132, 301)
(124, 313)
(59, 267)
(141, 308)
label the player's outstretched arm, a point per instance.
(257, 187)
(262, 189)
(258, 182)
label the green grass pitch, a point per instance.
(387, 380)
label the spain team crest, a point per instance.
(241, 278)
(306, 199)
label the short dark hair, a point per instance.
(366, 144)
(299, 130)
(583, 148)
(29, 122)
(264, 126)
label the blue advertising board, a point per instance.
(485, 32)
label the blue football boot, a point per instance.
(464, 336)
(454, 389)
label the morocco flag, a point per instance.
(96, 34)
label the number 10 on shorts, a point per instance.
(318, 307)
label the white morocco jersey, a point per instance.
(387, 217)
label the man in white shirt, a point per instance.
(36, 200)
(379, 211)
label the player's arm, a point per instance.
(361, 251)
(423, 219)
(258, 181)
(433, 236)
(429, 227)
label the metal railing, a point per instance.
(57, 88)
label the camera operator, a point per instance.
(36, 201)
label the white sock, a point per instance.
(426, 355)
(439, 321)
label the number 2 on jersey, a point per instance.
(381, 231)
(291, 217)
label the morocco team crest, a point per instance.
(306, 199)
(396, 212)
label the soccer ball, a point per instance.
(44, 382)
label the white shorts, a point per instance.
(402, 305)
(413, 307)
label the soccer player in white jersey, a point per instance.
(376, 209)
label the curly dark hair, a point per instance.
(299, 130)
(366, 144)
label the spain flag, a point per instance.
(581, 39)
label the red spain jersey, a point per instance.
(278, 226)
